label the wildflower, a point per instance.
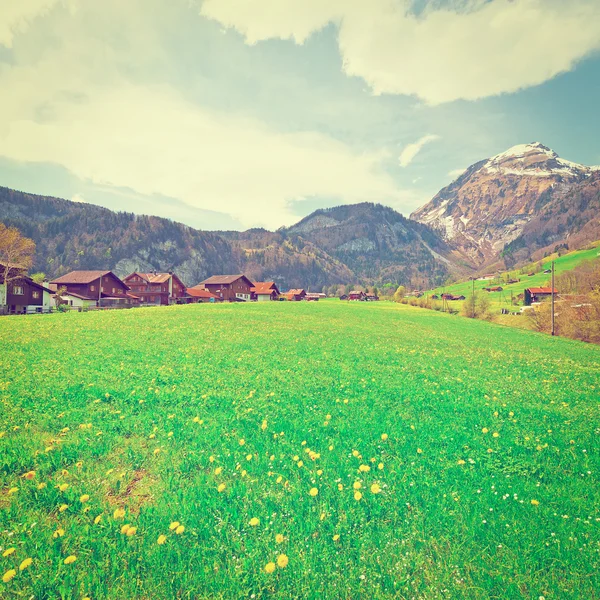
(63, 507)
(25, 564)
(125, 529)
(330, 448)
(41, 486)
(336, 537)
(264, 425)
(131, 531)
(282, 561)
(218, 470)
(320, 472)
(161, 539)
(300, 464)
(375, 489)
(254, 522)
(58, 533)
(490, 451)
(13, 490)
(495, 434)
(248, 456)
(11, 573)
(152, 436)
(84, 498)
(196, 419)
(8, 552)
(340, 487)
(484, 430)
(211, 459)
(535, 502)
(419, 451)
(170, 434)
(270, 567)
(97, 519)
(364, 468)
(357, 496)
(384, 436)
(156, 451)
(279, 538)
(29, 475)
(313, 491)
(221, 487)
(357, 485)
(174, 525)
(70, 559)
(380, 466)
(461, 462)
(355, 453)
(119, 513)
(62, 487)
(180, 530)
(242, 442)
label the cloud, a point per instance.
(456, 173)
(15, 16)
(411, 150)
(482, 49)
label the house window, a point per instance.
(92, 288)
(18, 290)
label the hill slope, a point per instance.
(523, 199)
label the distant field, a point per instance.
(447, 458)
(541, 279)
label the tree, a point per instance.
(16, 253)
(38, 277)
(375, 291)
(399, 293)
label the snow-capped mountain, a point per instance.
(492, 202)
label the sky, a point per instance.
(231, 114)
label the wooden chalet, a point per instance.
(195, 295)
(497, 288)
(312, 297)
(97, 288)
(372, 298)
(537, 294)
(230, 288)
(452, 297)
(357, 295)
(156, 288)
(265, 291)
(295, 295)
(23, 295)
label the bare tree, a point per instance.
(16, 253)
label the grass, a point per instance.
(499, 300)
(483, 440)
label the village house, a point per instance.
(195, 295)
(96, 288)
(312, 297)
(372, 297)
(156, 288)
(23, 295)
(536, 294)
(357, 295)
(231, 288)
(493, 289)
(452, 297)
(295, 295)
(264, 291)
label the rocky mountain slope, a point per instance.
(364, 243)
(492, 209)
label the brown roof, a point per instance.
(152, 277)
(541, 290)
(80, 277)
(296, 292)
(77, 296)
(223, 279)
(196, 292)
(264, 287)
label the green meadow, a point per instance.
(296, 450)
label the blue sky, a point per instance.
(241, 113)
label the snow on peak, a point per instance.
(522, 150)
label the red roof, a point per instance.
(264, 287)
(197, 292)
(223, 279)
(80, 277)
(152, 277)
(541, 290)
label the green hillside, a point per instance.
(563, 263)
(295, 450)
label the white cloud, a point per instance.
(488, 48)
(411, 150)
(15, 16)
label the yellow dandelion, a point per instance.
(357, 496)
(355, 453)
(97, 519)
(161, 539)
(295, 458)
(461, 462)
(357, 485)
(41, 486)
(180, 530)
(279, 538)
(152, 436)
(484, 430)
(174, 525)
(248, 456)
(313, 491)
(244, 473)
(11, 573)
(375, 488)
(29, 475)
(25, 564)
(254, 522)
(8, 552)
(264, 425)
(282, 561)
(13, 490)
(380, 466)
(221, 487)
(125, 529)
(535, 502)
(495, 434)
(170, 434)
(490, 451)
(364, 468)
(58, 533)
(62, 487)
(84, 498)
(384, 436)
(63, 507)
(156, 451)
(300, 463)
(336, 537)
(419, 451)
(70, 559)
(242, 442)
(119, 513)
(218, 470)
(340, 487)
(320, 472)
(131, 531)
(270, 567)
(330, 448)
(211, 459)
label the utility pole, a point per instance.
(473, 297)
(552, 297)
